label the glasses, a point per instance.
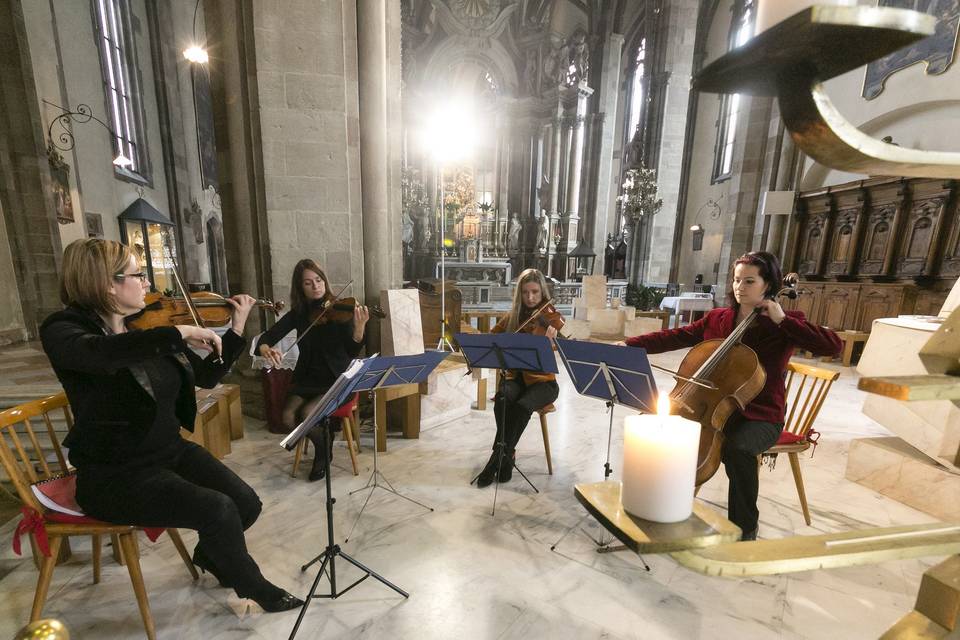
(141, 276)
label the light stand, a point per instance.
(373, 482)
(444, 343)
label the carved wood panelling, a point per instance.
(878, 234)
(813, 238)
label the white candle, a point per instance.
(659, 465)
(770, 12)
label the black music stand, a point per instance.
(391, 371)
(339, 391)
(507, 351)
(614, 374)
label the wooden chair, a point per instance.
(27, 461)
(349, 415)
(807, 388)
(542, 412)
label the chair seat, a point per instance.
(550, 408)
(796, 447)
(346, 409)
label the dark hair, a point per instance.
(299, 301)
(770, 271)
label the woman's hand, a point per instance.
(242, 304)
(360, 317)
(551, 332)
(271, 355)
(200, 338)
(773, 310)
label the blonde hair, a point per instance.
(526, 276)
(89, 268)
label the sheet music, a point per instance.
(324, 408)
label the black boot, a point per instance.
(506, 469)
(203, 563)
(489, 472)
(316, 435)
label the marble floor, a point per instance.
(471, 575)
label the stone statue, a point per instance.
(530, 73)
(563, 65)
(580, 57)
(543, 231)
(513, 234)
(550, 62)
(406, 229)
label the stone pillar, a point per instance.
(671, 88)
(605, 213)
(556, 133)
(26, 201)
(378, 56)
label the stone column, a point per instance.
(556, 132)
(605, 213)
(378, 55)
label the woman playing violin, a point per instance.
(773, 336)
(521, 393)
(130, 392)
(325, 350)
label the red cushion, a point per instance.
(66, 518)
(346, 409)
(790, 438)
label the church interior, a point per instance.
(408, 183)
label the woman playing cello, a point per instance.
(773, 336)
(130, 392)
(521, 393)
(326, 349)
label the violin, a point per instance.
(716, 378)
(212, 309)
(546, 315)
(340, 311)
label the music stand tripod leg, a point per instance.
(330, 554)
(373, 482)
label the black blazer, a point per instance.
(108, 388)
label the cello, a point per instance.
(736, 378)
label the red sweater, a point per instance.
(773, 344)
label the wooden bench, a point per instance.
(484, 318)
(211, 429)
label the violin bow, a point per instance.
(316, 320)
(188, 300)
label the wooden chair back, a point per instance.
(806, 389)
(25, 459)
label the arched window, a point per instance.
(730, 104)
(636, 93)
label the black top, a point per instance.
(116, 402)
(165, 376)
(325, 351)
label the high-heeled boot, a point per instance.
(316, 435)
(205, 565)
(506, 469)
(489, 471)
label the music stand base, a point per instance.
(373, 484)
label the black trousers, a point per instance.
(515, 403)
(745, 440)
(189, 489)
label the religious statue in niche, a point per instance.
(60, 185)
(513, 234)
(543, 231)
(579, 58)
(550, 62)
(194, 216)
(936, 51)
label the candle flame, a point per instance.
(663, 405)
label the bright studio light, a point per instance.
(450, 133)
(196, 54)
